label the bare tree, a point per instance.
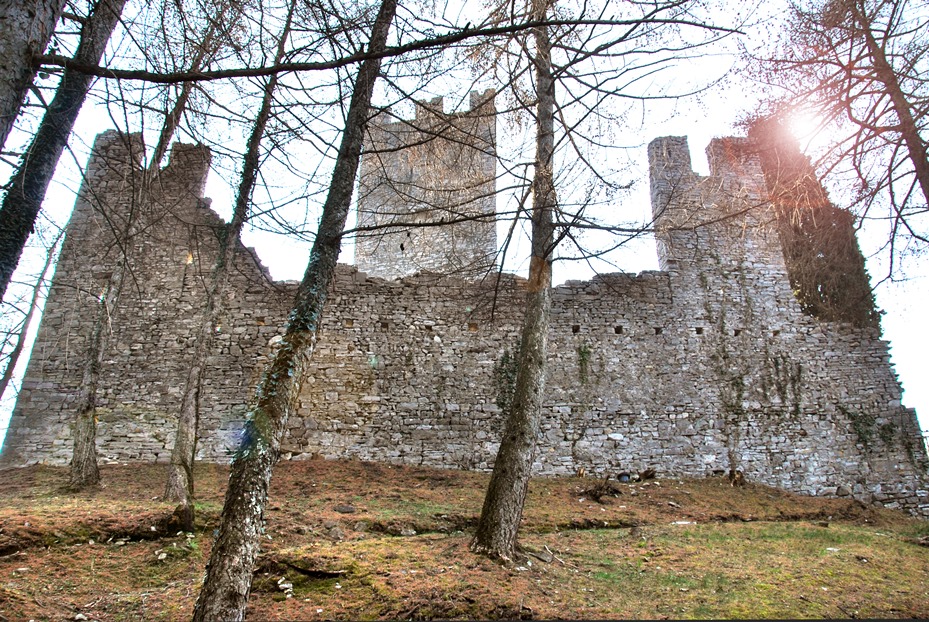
(860, 66)
(553, 219)
(26, 27)
(20, 333)
(84, 471)
(180, 485)
(27, 188)
(496, 531)
(229, 573)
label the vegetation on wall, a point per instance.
(862, 424)
(824, 264)
(583, 362)
(505, 378)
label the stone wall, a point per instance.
(704, 366)
(435, 169)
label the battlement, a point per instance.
(706, 366)
(725, 218)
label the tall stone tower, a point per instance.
(426, 195)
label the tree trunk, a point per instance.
(229, 573)
(84, 471)
(180, 486)
(909, 130)
(30, 181)
(501, 514)
(26, 27)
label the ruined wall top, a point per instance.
(728, 211)
(435, 168)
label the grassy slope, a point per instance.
(665, 548)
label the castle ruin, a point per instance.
(706, 365)
(437, 169)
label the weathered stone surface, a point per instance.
(706, 365)
(445, 172)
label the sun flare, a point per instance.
(809, 129)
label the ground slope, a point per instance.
(350, 540)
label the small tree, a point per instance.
(84, 471)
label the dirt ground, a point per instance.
(357, 540)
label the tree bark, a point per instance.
(30, 181)
(909, 130)
(26, 27)
(84, 471)
(501, 514)
(229, 573)
(180, 486)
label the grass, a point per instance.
(668, 548)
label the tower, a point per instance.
(426, 195)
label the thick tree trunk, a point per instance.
(26, 27)
(30, 181)
(180, 485)
(502, 512)
(229, 573)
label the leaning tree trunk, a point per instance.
(30, 181)
(180, 486)
(497, 527)
(229, 573)
(909, 129)
(26, 27)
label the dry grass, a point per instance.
(665, 548)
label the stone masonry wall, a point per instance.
(435, 168)
(706, 365)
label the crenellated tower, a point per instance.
(427, 192)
